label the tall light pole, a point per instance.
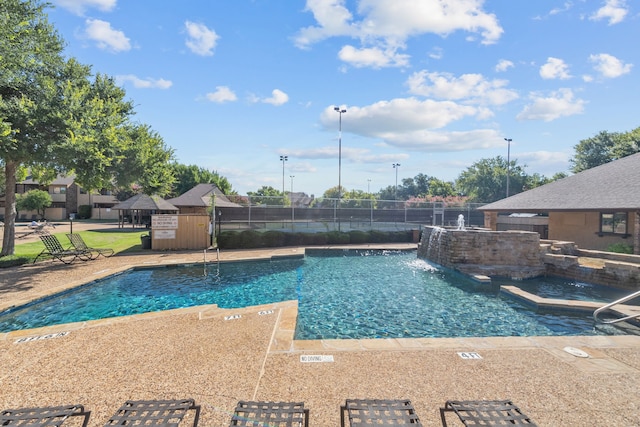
(340, 111)
(508, 162)
(283, 159)
(368, 186)
(291, 199)
(396, 166)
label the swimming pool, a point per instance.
(346, 294)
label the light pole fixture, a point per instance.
(508, 162)
(396, 166)
(340, 111)
(291, 200)
(283, 159)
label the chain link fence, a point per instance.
(331, 214)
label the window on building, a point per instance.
(615, 223)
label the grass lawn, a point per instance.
(119, 241)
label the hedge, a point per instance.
(251, 239)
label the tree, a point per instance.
(188, 177)
(268, 195)
(486, 180)
(34, 200)
(603, 148)
(54, 119)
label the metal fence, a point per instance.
(341, 215)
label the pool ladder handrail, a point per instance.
(616, 302)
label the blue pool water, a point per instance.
(341, 294)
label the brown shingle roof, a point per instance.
(612, 186)
(200, 196)
(145, 202)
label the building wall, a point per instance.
(583, 227)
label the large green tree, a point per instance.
(603, 148)
(55, 117)
(189, 176)
(485, 181)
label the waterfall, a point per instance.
(434, 246)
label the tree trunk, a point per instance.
(8, 241)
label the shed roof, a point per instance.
(145, 202)
(612, 186)
(200, 196)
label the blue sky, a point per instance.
(434, 85)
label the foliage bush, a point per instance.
(338, 238)
(250, 239)
(273, 239)
(357, 236)
(84, 212)
(621, 248)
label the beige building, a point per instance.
(66, 197)
(594, 208)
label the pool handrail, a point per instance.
(611, 304)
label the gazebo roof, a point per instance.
(144, 202)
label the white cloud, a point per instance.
(609, 66)
(413, 124)
(373, 57)
(78, 7)
(147, 83)
(473, 88)
(559, 104)
(221, 95)
(383, 27)
(504, 65)
(555, 69)
(201, 40)
(613, 10)
(106, 37)
(278, 98)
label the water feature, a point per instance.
(340, 294)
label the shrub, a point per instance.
(273, 239)
(376, 236)
(229, 240)
(357, 236)
(295, 239)
(250, 239)
(621, 248)
(338, 238)
(84, 212)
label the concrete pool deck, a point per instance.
(221, 356)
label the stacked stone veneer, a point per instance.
(514, 254)
(521, 255)
(603, 268)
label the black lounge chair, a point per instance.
(160, 413)
(54, 249)
(52, 416)
(272, 414)
(78, 242)
(486, 413)
(378, 412)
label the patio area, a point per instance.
(219, 357)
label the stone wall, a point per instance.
(514, 254)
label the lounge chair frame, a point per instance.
(79, 244)
(52, 416)
(272, 414)
(363, 412)
(486, 413)
(54, 249)
(158, 413)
